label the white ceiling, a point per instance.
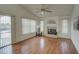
(58, 9)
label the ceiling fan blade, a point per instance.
(45, 9)
(48, 10)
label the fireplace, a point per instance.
(52, 31)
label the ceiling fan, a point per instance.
(45, 9)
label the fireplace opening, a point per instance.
(52, 31)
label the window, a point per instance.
(65, 26)
(33, 26)
(25, 26)
(41, 26)
(28, 26)
(5, 30)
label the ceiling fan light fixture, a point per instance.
(42, 12)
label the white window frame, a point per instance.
(31, 25)
(64, 26)
(12, 26)
(41, 26)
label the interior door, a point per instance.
(5, 30)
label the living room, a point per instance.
(39, 28)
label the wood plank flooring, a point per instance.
(41, 45)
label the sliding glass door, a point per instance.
(5, 30)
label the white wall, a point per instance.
(74, 33)
(58, 20)
(18, 12)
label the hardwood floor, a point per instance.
(41, 45)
